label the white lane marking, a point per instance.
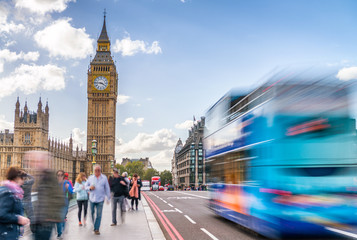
(178, 210)
(209, 234)
(189, 219)
(168, 210)
(193, 195)
(181, 198)
(164, 201)
(342, 232)
(170, 205)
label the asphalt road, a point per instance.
(192, 219)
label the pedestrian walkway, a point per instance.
(139, 224)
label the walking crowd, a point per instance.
(54, 191)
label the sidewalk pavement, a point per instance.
(139, 224)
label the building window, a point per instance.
(27, 138)
(200, 178)
(192, 178)
(192, 151)
(200, 152)
(8, 160)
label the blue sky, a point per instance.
(175, 58)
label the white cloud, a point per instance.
(43, 6)
(8, 56)
(131, 120)
(4, 124)
(185, 125)
(63, 40)
(129, 47)
(123, 99)
(79, 138)
(5, 26)
(31, 78)
(160, 140)
(162, 160)
(10, 43)
(149, 99)
(346, 74)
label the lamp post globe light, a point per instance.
(94, 151)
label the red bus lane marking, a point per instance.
(168, 222)
(160, 218)
(165, 218)
(158, 212)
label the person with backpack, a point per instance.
(66, 178)
(67, 191)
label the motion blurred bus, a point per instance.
(282, 159)
(155, 183)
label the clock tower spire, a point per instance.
(102, 93)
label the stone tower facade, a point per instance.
(102, 92)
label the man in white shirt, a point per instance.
(99, 188)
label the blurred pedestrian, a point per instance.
(29, 180)
(119, 189)
(11, 209)
(134, 191)
(127, 181)
(50, 199)
(99, 188)
(140, 184)
(82, 197)
(67, 190)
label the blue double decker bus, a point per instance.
(282, 159)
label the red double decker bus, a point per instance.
(155, 183)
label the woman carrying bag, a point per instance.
(134, 191)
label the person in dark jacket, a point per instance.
(11, 209)
(27, 201)
(119, 189)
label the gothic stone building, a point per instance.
(189, 159)
(31, 133)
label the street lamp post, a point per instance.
(94, 151)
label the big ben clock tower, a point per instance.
(102, 92)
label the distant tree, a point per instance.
(149, 173)
(135, 167)
(121, 168)
(166, 177)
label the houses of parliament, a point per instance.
(31, 128)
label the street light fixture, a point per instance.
(94, 151)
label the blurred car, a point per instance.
(161, 188)
(170, 188)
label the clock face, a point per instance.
(100, 83)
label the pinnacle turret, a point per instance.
(103, 35)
